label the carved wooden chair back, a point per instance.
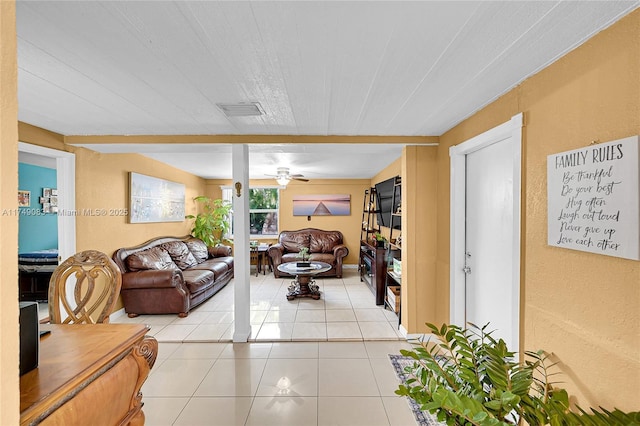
(84, 289)
(255, 258)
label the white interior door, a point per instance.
(489, 200)
(485, 257)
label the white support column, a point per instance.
(66, 181)
(240, 188)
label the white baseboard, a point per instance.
(404, 332)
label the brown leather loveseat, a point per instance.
(324, 246)
(169, 275)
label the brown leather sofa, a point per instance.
(324, 246)
(169, 275)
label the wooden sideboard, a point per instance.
(88, 375)
(373, 269)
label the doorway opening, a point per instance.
(462, 275)
(40, 160)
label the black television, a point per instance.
(385, 202)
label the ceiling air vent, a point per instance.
(241, 109)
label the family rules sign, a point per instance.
(593, 201)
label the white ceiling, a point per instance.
(412, 68)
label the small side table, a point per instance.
(303, 285)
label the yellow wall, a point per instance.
(9, 385)
(583, 307)
(420, 295)
(580, 306)
(393, 169)
(419, 214)
(102, 182)
(213, 189)
(348, 225)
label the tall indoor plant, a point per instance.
(213, 221)
(467, 377)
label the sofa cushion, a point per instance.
(294, 241)
(198, 280)
(214, 265)
(323, 242)
(290, 257)
(227, 260)
(180, 254)
(152, 258)
(198, 249)
(323, 257)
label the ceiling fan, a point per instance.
(283, 177)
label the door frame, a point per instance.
(66, 183)
(511, 129)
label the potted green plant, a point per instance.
(467, 377)
(381, 241)
(304, 257)
(212, 223)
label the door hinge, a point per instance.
(467, 268)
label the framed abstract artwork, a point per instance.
(155, 200)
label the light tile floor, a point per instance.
(346, 312)
(308, 362)
(275, 383)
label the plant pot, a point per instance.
(380, 244)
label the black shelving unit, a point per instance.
(369, 225)
(393, 281)
(372, 264)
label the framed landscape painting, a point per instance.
(322, 205)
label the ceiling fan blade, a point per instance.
(283, 172)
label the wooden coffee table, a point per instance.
(304, 285)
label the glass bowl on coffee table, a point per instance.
(304, 285)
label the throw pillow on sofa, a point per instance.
(152, 258)
(323, 243)
(294, 241)
(180, 254)
(198, 249)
